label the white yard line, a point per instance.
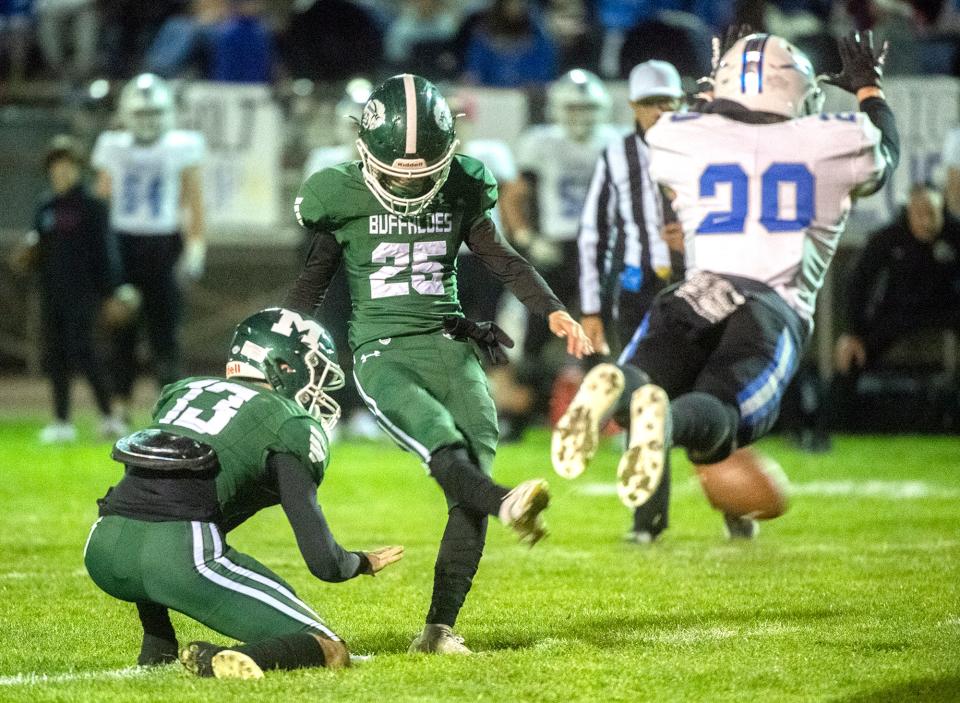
(34, 679)
(890, 490)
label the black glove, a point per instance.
(487, 335)
(862, 64)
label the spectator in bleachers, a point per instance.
(16, 32)
(73, 23)
(332, 40)
(179, 48)
(420, 22)
(573, 27)
(510, 48)
(128, 28)
(679, 38)
(906, 279)
(241, 48)
(79, 276)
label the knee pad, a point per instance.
(705, 426)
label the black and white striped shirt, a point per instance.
(620, 225)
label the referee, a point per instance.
(627, 240)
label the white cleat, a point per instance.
(231, 664)
(521, 510)
(58, 433)
(112, 427)
(438, 639)
(577, 433)
(641, 466)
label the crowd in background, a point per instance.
(521, 43)
(503, 43)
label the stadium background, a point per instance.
(259, 135)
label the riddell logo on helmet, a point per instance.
(233, 368)
(409, 163)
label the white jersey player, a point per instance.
(763, 184)
(150, 172)
(561, 155)
(767, 202)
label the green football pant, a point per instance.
(188, 567)
(429, 391)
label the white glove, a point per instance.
(192, 261)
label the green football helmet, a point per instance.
(294, 354)
(406, 143)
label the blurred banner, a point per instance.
(926, 109)
(243, 127)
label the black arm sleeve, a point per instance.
(511, 269)
(312, 283)
(882, 117)
(326, 559)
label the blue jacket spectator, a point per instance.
(241, 48)
(509, 48)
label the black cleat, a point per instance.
(738, 528)
(197, 658)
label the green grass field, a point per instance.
(852, 596)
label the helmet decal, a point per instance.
(374, 115)
(294, 354)
(441, 115)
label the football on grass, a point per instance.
(746, 483)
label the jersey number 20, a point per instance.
(732, 221)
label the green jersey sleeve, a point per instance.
(324, 198)
(304, 438)
(485, 191)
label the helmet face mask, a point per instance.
(406, 143)
(579, 102)
(766, 73)
(147, 108)
(295, 355)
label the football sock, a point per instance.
(464, 483)
(159, 639)
(457, 561)
(653, 516)
(705, 426)
(633, 378)
(299, 650)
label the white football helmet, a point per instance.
(766, 73)
(147, 107)
(578, 102)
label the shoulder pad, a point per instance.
(164, 451)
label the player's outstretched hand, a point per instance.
(862, 63)
(593, 327)
(382, 558)
(565, 327)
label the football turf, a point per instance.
(852, 596)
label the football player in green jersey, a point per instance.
(217, 452)
(396, 219)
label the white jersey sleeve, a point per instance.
(766, 201)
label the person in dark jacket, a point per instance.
(906, 279)
(79, 278)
